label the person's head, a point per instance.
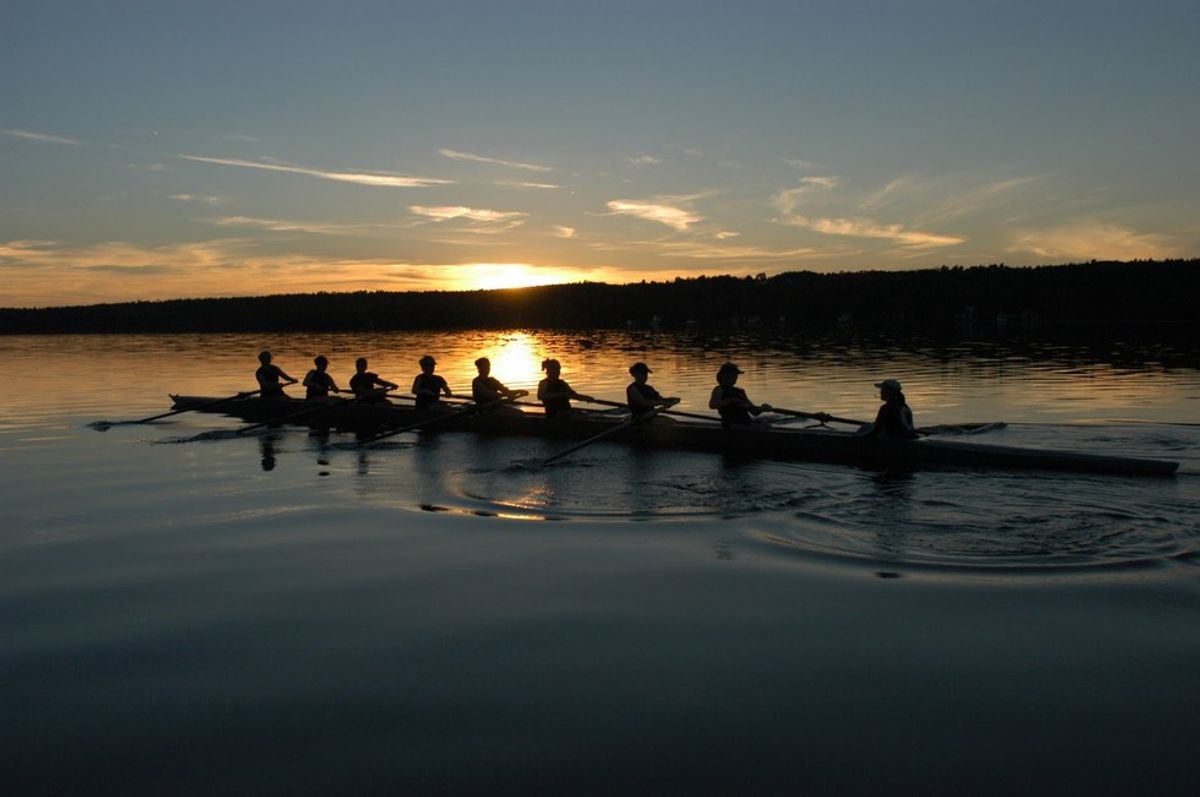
(727, 374)
(484, 365)
(321, 361)
(889, 389)
(427, 364)
(639, 371)
(264, 357)
(552, 367)
(360, 365)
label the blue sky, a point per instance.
(152, 150)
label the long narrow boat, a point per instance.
(818, 445)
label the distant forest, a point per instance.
(985, 298)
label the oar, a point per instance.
(337, 402)
(823, 417)
(425, 424)
(601, 436)
(103, 426)
(680, 413)
(964, 428)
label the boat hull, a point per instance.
(819, 445)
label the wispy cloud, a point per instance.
(797, 163)
(704, 250)
(519, 184)
(701, 251)
(371, 178)
(644, 160)
(1086, 240)
(563, 231)
(45, 138)
(788, 200)
(933, 200)
(883, 196)
(658, 210)
(24, 249)
(468, 156)
(480, 220)
(206, 200)
(283, 225)
(241, 137)
(868, 228)
(50, 273)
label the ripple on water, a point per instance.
(989, 522)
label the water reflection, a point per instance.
(955, 519)
(266, 445)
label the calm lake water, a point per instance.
(280, 614)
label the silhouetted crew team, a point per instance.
(733, 406)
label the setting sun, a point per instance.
(494, 276)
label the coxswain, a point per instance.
(268, 377)
(428, 387)
(731, 402)
(318, 381)
(640, 396)
(366, 385)
(554, 393)
(894, 419)
(487, 390)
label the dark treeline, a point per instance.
(932, 299)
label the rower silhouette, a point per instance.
(894, 418)
(640, 396)
(428, 387)
(487, 389)
(554, 393)
(318, 382)
(269, 375)
(731, 403)
(368, 386)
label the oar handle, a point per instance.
(823, 417)
(662, 411)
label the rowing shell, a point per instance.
(817, 444)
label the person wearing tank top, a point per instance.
(317, 382)
(731, 402)
(428, 387)
(367, 385)
(269, 375)
(640, 396)
(554, 393)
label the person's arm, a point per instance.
(757, 409)
(310, 379)
(386, 385)
(284, 376)
(715, 400)
(508, 392)
(446, 389)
